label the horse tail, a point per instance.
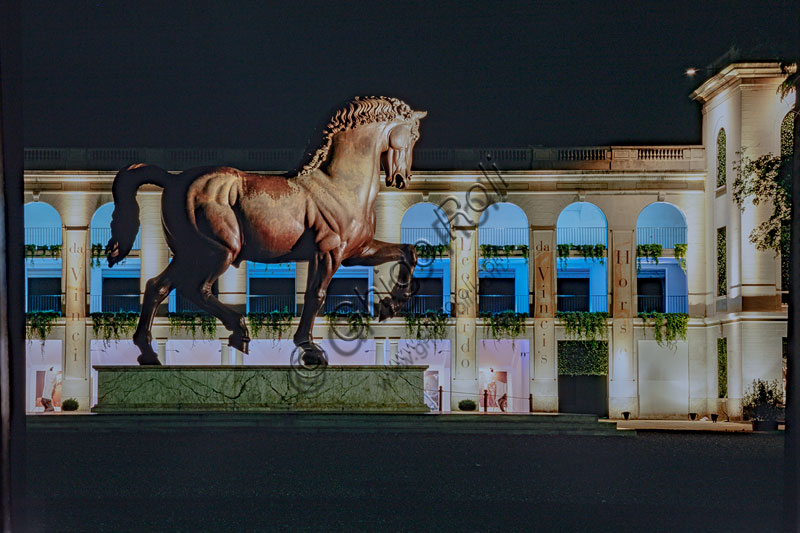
(125, 218)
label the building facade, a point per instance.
(561, 235)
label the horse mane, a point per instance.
(358, 112)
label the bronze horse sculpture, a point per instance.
(214, 217)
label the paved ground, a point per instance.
(193, 478)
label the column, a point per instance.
(733, 331)
(162, 350)
(233, 288)
(154, 252)
(465, 307)
(543, 363)
(393, 348)
(380, 351)
(76, 366)
(622, 386)
(301, 276)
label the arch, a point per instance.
(582, 223)
(787, 135)
(100, 226)
(42, 224)
(661, 223)
(722, 157)
(503, 223)
(424, 223)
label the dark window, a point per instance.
(44, 294)
(573, 294)
(271, 286)
(651, 294)
(347, 295)
(121, 286)
(120, 294)
(496, 295)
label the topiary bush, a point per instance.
(467, 405)
(70, 404)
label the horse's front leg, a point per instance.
(379, 252)
(320, 271)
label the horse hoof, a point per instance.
(385, 311)
(314, 358)
(240, 343)
(148, 359)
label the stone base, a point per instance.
(126, 389)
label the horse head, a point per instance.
(396, 159)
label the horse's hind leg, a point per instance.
(198, 290)
(156, 289)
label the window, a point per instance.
(120, 294)
(573, 294)
(721, 158)
(44, 294)
(722, 263)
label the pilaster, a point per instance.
(543, 364)
(465, 308)
(622, 386)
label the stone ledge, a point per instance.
(141, 389)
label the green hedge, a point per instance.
(582, 358)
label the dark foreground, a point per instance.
(163, 477)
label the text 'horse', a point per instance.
(215, 217)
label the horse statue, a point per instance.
(215, 217)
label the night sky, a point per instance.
(208, 74)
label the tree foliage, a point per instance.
(766, 180)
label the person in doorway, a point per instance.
(47, 391)
(502, 403)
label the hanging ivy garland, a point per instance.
(427, 325)
(585, 326)
(107, 326)
(505, 325)
(493, 251)
(34, 250)
(98, 253)
(274, 323)
(649, 251)
(357, 322)
(667, 327)
(39, 324)
(680, 255)
(431, 251)
(192, 322)
(594, 252)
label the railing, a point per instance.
(667, 237)
(424, 235)
(272, 302)
(674, 304)
(660, 154)
(649, 304)
(677, 304)
(596, 303)
(348, 303)
(43, 236)
(46, 302)
(499, 303)
(582, 235)
(503, 236)
(115, 303)
(102, 236)
(279, 159)
(182, 304)
(582, 154)
(420, 303)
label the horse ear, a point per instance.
(419, 114)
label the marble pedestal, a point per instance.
(127, 389)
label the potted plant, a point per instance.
(70, 404)
(763, 404)
(467, 405)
